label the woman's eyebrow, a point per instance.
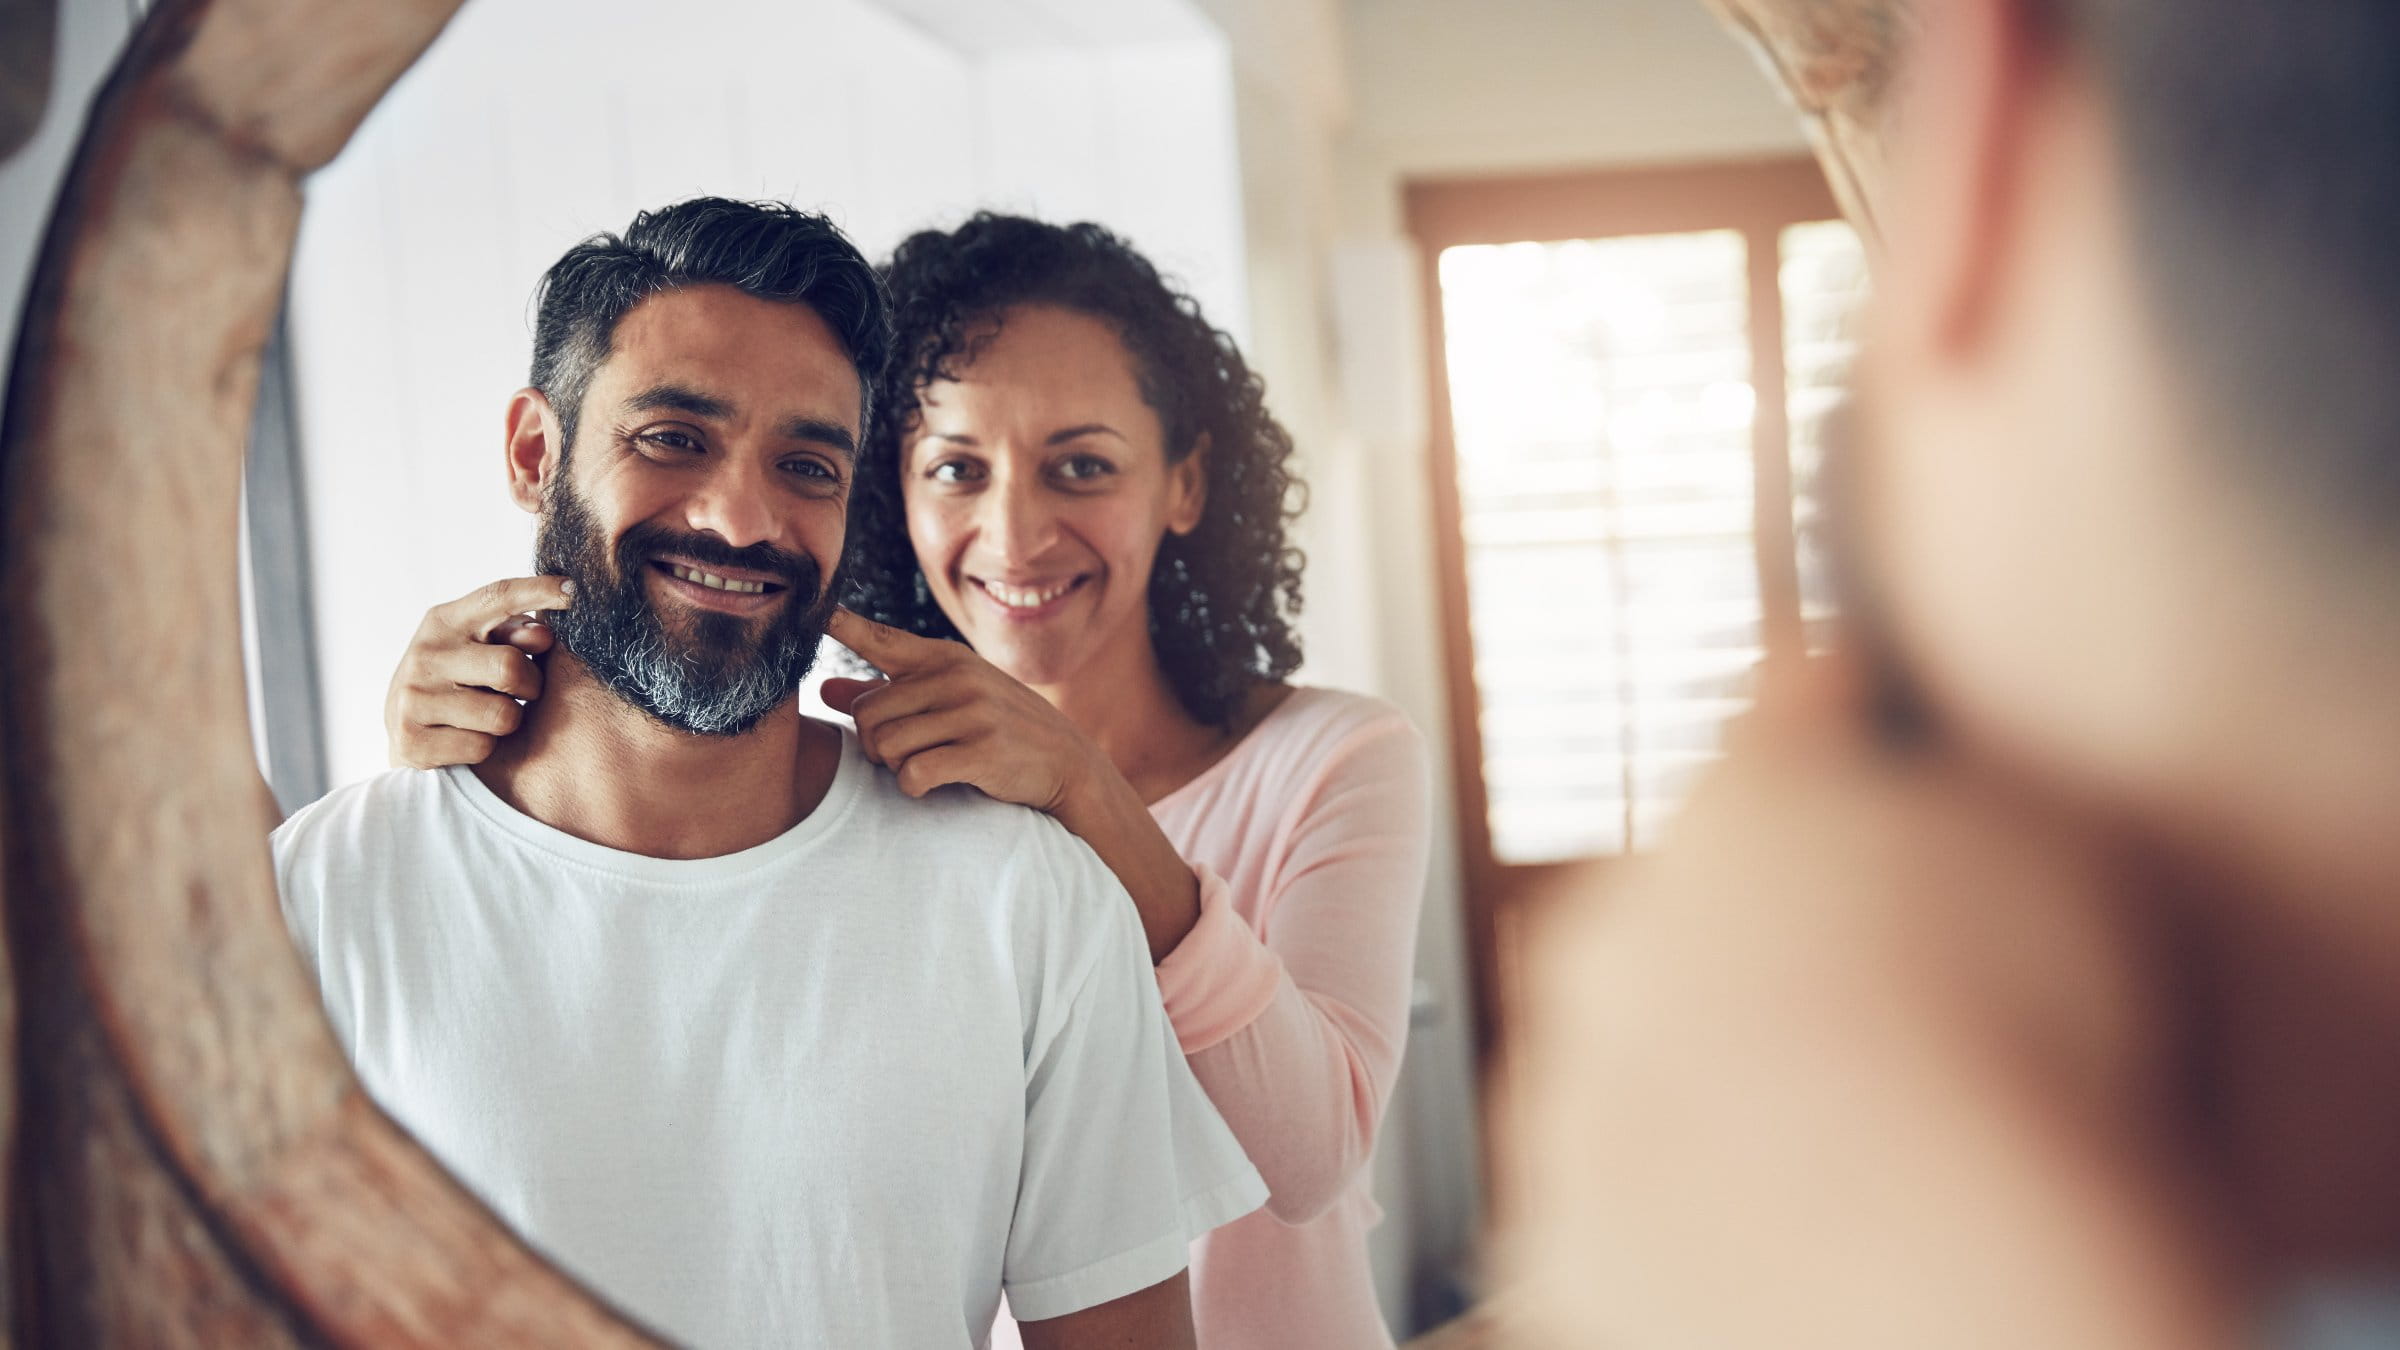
(1087, 429)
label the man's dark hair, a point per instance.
(1220, 597)
(766, 249)
(2263, 145)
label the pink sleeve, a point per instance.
(1297, 1035)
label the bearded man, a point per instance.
(679, 983)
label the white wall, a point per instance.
(1444, 87)
(532, 123)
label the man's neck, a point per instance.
(588, 763)
(2293, 953)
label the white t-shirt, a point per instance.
(839, 1090)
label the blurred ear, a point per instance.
(536, 448)
(1979, 83)
(1187, 486)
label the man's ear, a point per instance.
(1187, 481)
(1974, 89)
(536, 448)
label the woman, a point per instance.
(1076, 478)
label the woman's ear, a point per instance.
(1187, 482)
(536, 448)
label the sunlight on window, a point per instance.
(1824, 279)
(1603, 419)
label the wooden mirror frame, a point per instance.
(195, 1164)
(1837, 61)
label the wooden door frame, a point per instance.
(1759, 198)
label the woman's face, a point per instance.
(1038, 489)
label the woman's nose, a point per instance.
(1015, 523)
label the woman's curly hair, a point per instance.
(1221, 597)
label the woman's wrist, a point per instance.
(1102, 809)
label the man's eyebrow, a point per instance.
(832, 435)
(685, 399)
(1087, 429)
(679, 398)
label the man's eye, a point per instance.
(678, 441)
(954, 471)
(812, 468)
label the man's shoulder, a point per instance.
(381, 804)
(960, 826)
(990, 854)
(344, 850)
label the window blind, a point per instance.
(1602, 411)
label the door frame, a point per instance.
(1759, 198)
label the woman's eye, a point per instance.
(954, 471)
(1081, 467)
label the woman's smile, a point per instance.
(1027, 602)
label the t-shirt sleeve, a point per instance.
(294, 845)
(1125, 1159)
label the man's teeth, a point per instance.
(1021, 597)
(715, 582)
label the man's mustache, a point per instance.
(797, 571)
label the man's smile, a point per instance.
(727, 590)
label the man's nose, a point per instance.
(737, 505)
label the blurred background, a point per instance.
(1547, 290)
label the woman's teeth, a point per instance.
(715, 582)
(1022, 597)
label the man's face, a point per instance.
(700, 511)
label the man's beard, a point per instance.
(709, 674)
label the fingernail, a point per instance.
(567, 587)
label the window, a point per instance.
(1631, 386)
(1602, 404)
(1823, 278)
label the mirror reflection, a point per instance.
(1267, 302)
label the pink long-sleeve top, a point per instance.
(1291, 999)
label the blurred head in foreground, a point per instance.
(2128, 495)
(2070, 1021)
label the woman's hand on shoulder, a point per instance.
(943, 714)
(458, 687)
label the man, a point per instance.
(2039, 984)
(676, 981)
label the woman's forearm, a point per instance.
(1107, 814)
